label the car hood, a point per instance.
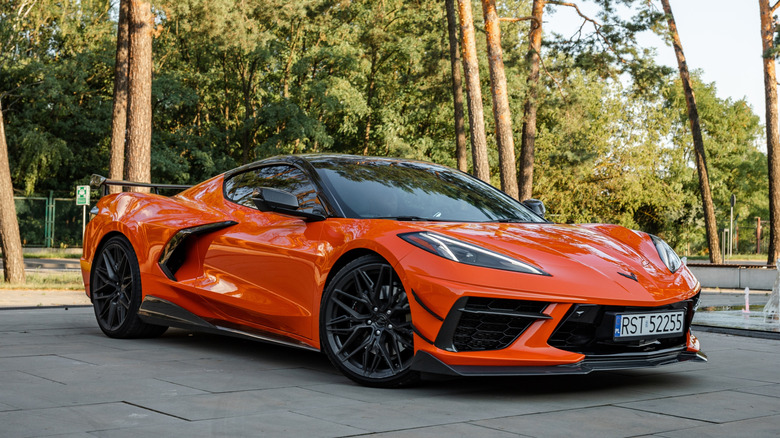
(582, 260)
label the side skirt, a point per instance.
(157, 311)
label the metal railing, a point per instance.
(49, 222)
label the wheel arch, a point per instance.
(344, 259)
(99, 247)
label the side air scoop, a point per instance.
(174, 254)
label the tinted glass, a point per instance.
(416, 191)
(243, 187)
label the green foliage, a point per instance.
(239, 81)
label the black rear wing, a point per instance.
(102, 183)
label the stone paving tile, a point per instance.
(49, 394)
(488, 404)
(36, 362)
(73, 435)
(722, 407)
(277, 424)
(218, 381)
(758, 358)
(459, 430)
(46, 319)
(235, 404)
(138, 357)
(379, 417)
(89, 373)
(755, 375)
(762, 427)
(53, 346)
(690, 382)
(45, 422)
(347, 388)
(767, 390)
(602, 422)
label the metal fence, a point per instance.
(49, 222)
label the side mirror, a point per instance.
(536, 206)
(279, 201)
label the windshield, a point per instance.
(403, 190)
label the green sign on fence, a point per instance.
(82, 195)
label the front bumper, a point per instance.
(467, 330)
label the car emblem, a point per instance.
(630, 275)
(579, 313)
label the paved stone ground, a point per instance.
(60, 376)
(11, 298)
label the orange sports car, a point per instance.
(393, 268)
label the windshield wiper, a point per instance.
(406, 218)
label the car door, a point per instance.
(267, 263)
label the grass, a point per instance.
(53, 254)
(48, 281)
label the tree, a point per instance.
(10, 242)
(501, 112)
(474, 92)
(768, 28)
(461, 150)
(139, 111)
(12, 27)
(698, 142)
(119, 114)
(530, 106)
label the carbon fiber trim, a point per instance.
(427, 363)
(157, 311)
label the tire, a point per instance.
(366, 324)
(116, 292)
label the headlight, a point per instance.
(668, 256)
(467, 253)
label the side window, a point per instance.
(242, 187)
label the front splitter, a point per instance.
(427, 363)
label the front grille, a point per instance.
(478, 324)
(588, 329)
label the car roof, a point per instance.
(311, 161)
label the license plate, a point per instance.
(644, 325)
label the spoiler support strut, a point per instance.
(102, 183)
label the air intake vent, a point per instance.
(588, 329)
(478, 324)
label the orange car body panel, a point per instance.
(268, 271)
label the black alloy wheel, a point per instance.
(366, 324)
(116, 292)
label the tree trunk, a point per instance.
(119, 117)
(501, 113)
(698, 142)
(139, 113)
(473, 92)
(772, 137)
(461, 150)
(529, 108)
(10, 242)
(369, 98)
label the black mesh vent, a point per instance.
(493, 324)
(588, 329)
